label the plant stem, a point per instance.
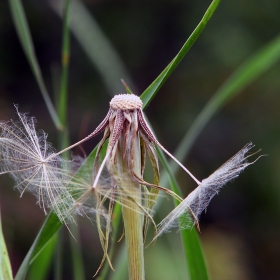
(132, 217)
(134, 241)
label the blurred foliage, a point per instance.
(243, 219)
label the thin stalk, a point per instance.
(65, 55)
(132, 217)
(95, 44)
(58, 258)
(77, 263)
(62, 113)
(77, 258)
(22, 29)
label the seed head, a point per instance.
(126, 102)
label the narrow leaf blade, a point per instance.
(192, 249)
(96, 45)
(5, 265)
(40, 267)
(154, 87)
(22, 29)
(49, 228)
(244, 75)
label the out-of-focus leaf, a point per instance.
(5, 265)
(96, 45)
(154, 87)
(27, 45)
(192, 249)
(49, 228)
(40, 267)
(246, 74)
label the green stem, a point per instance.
(22, 29)
(134, 241)
(65, 55)
(132, 217)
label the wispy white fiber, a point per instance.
(27, 156)
(189, 210)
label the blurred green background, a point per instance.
(240, 231)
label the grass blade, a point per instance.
(76, 252)
(40, 267)
(58, 257)
(5, 265)
(192, 249)
(96, 45)
(65, 57)
(154, 87)
(22, 29)
(77, 262)
(244, 75)
(49, 228)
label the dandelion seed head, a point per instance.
(31, 161)
(126, 102)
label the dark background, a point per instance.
(240, 232)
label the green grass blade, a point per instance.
(77, 260)
(40, 267)
(58, 257)
(121, 271)
(192, 249)
(5, 265)
(96, 45)
(154, 87)
(245, 75)
(65, 57)
(22, 29)
(49, 228)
